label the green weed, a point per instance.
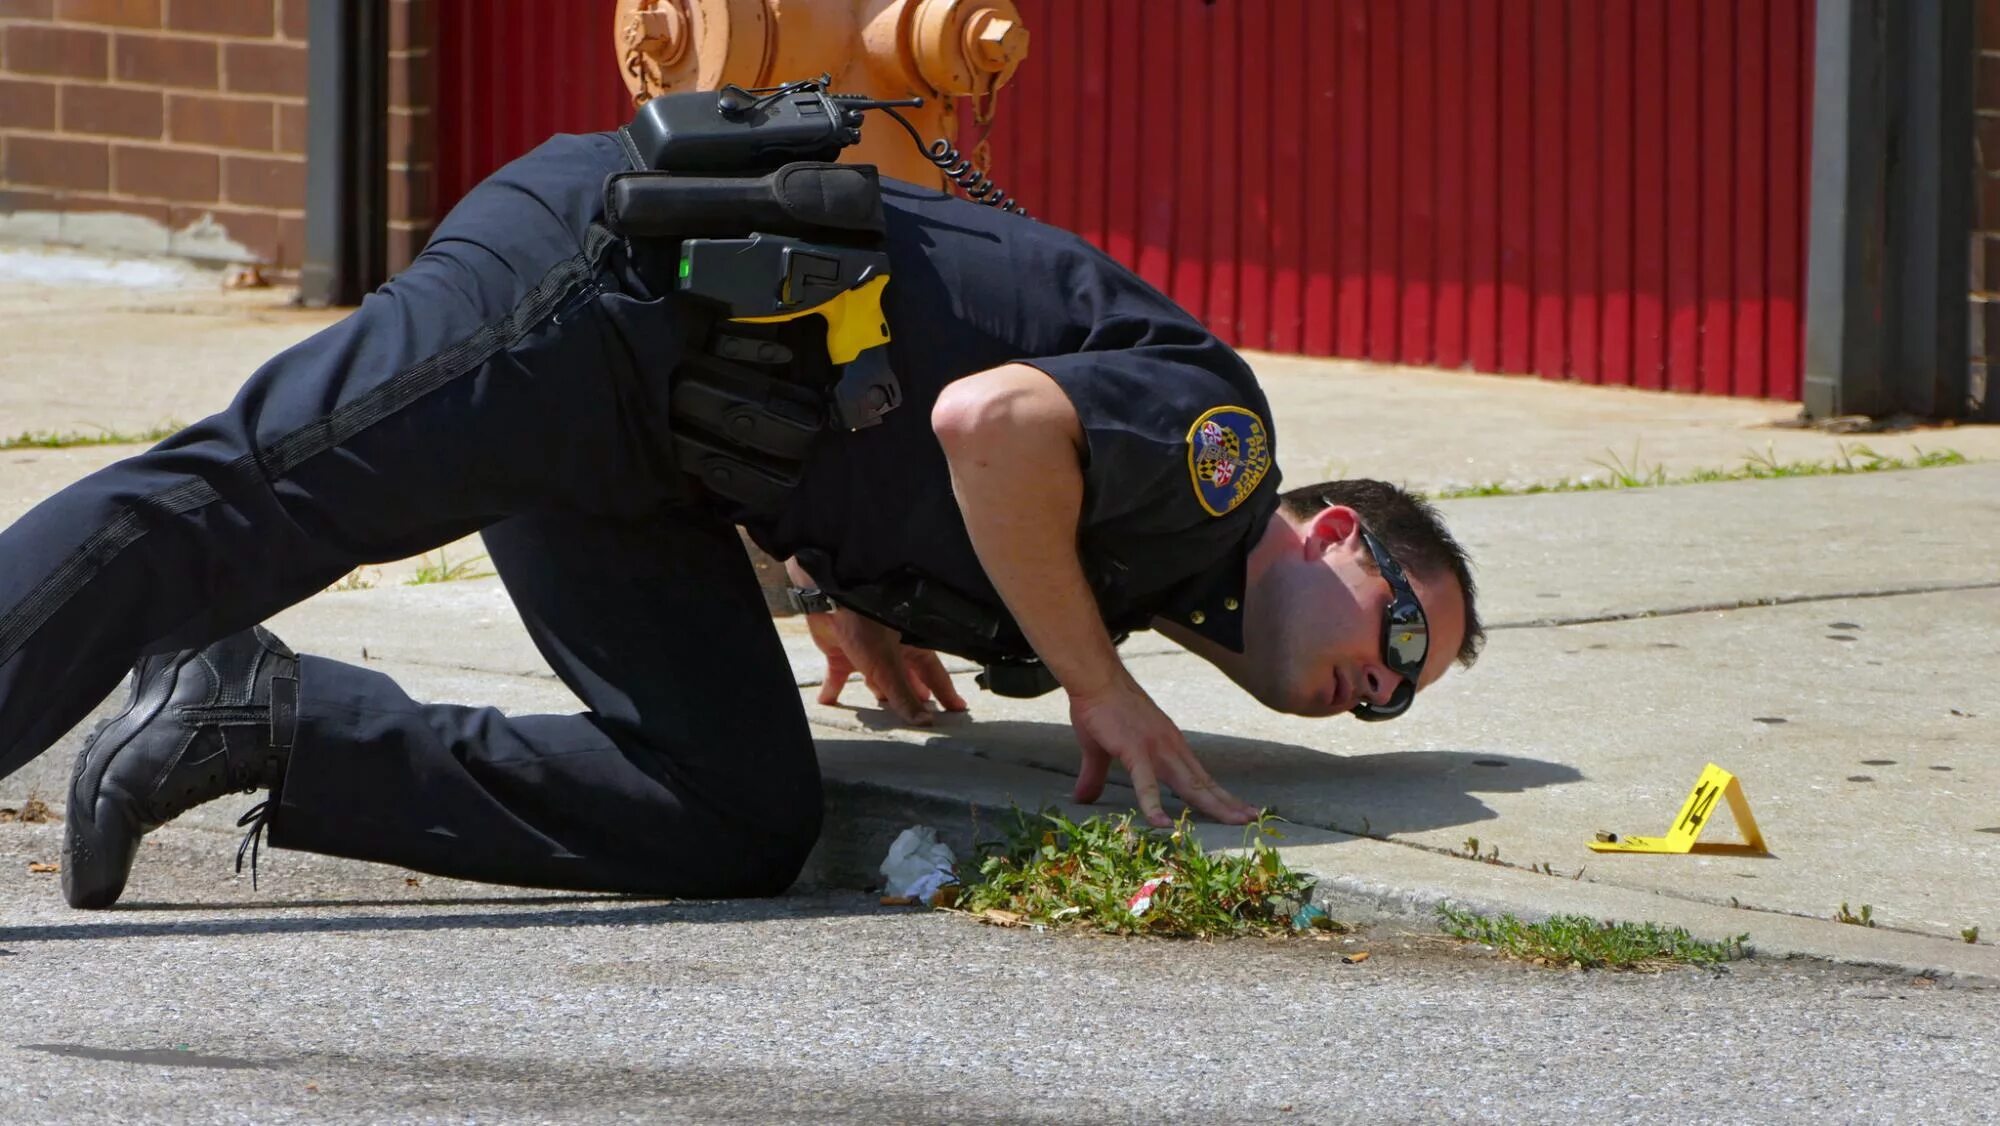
(1635, 474)
(1470, 850)
(361, 578)
(445, 571)
(1585, 943)
(1969, 934)
(49, 440)
(1865, 919)
(1052, 871)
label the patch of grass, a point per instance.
(1052, 871)
(1620, 474)
(1865, 919)
(50, 440)
(1969, 934)
(445, 571)
(1586, 943)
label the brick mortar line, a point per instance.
(117, 197)
(152, 143)
(188, 147)
(109, 30)
(69, 81)
(184, 91)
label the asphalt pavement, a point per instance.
(343, 994)
(1829, 640)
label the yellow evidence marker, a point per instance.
(1714, 783)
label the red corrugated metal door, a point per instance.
(1604, 190)
(510, 75)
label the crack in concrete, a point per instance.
(1741, 604)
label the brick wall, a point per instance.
(179, 126)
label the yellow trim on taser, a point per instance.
(854, 320)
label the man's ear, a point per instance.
(1332, 527)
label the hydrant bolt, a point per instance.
(663, 31)
(992, 38)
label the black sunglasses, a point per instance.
(1406, 637)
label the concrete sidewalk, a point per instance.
(1828, 639)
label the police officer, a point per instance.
(1074, 458)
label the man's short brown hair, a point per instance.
(1409, 528)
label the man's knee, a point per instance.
(782, 832)
(789, 845)
(754, 844)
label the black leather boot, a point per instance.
(199, 724)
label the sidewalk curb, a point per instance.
(1359, 879)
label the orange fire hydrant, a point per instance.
(935, 49)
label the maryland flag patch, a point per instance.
(1229, 451)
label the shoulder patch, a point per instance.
(1229, 452)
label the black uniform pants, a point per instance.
(505, 382)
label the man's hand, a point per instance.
(989, 424)
(904, 678)
(1123, 723)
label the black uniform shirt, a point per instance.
(1179, 473)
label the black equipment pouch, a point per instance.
(805, 199)
(1022, 680)
(748, 409)
(742, 433)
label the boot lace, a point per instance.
(258, 818)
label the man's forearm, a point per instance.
(1026, 537)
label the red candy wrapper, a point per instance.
(1143, 899)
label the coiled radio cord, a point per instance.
(961, 171)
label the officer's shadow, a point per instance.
(1377, 794)
(363, 915)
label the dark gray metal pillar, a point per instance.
(1845, 237)
(347, 146)
(1889, 277)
